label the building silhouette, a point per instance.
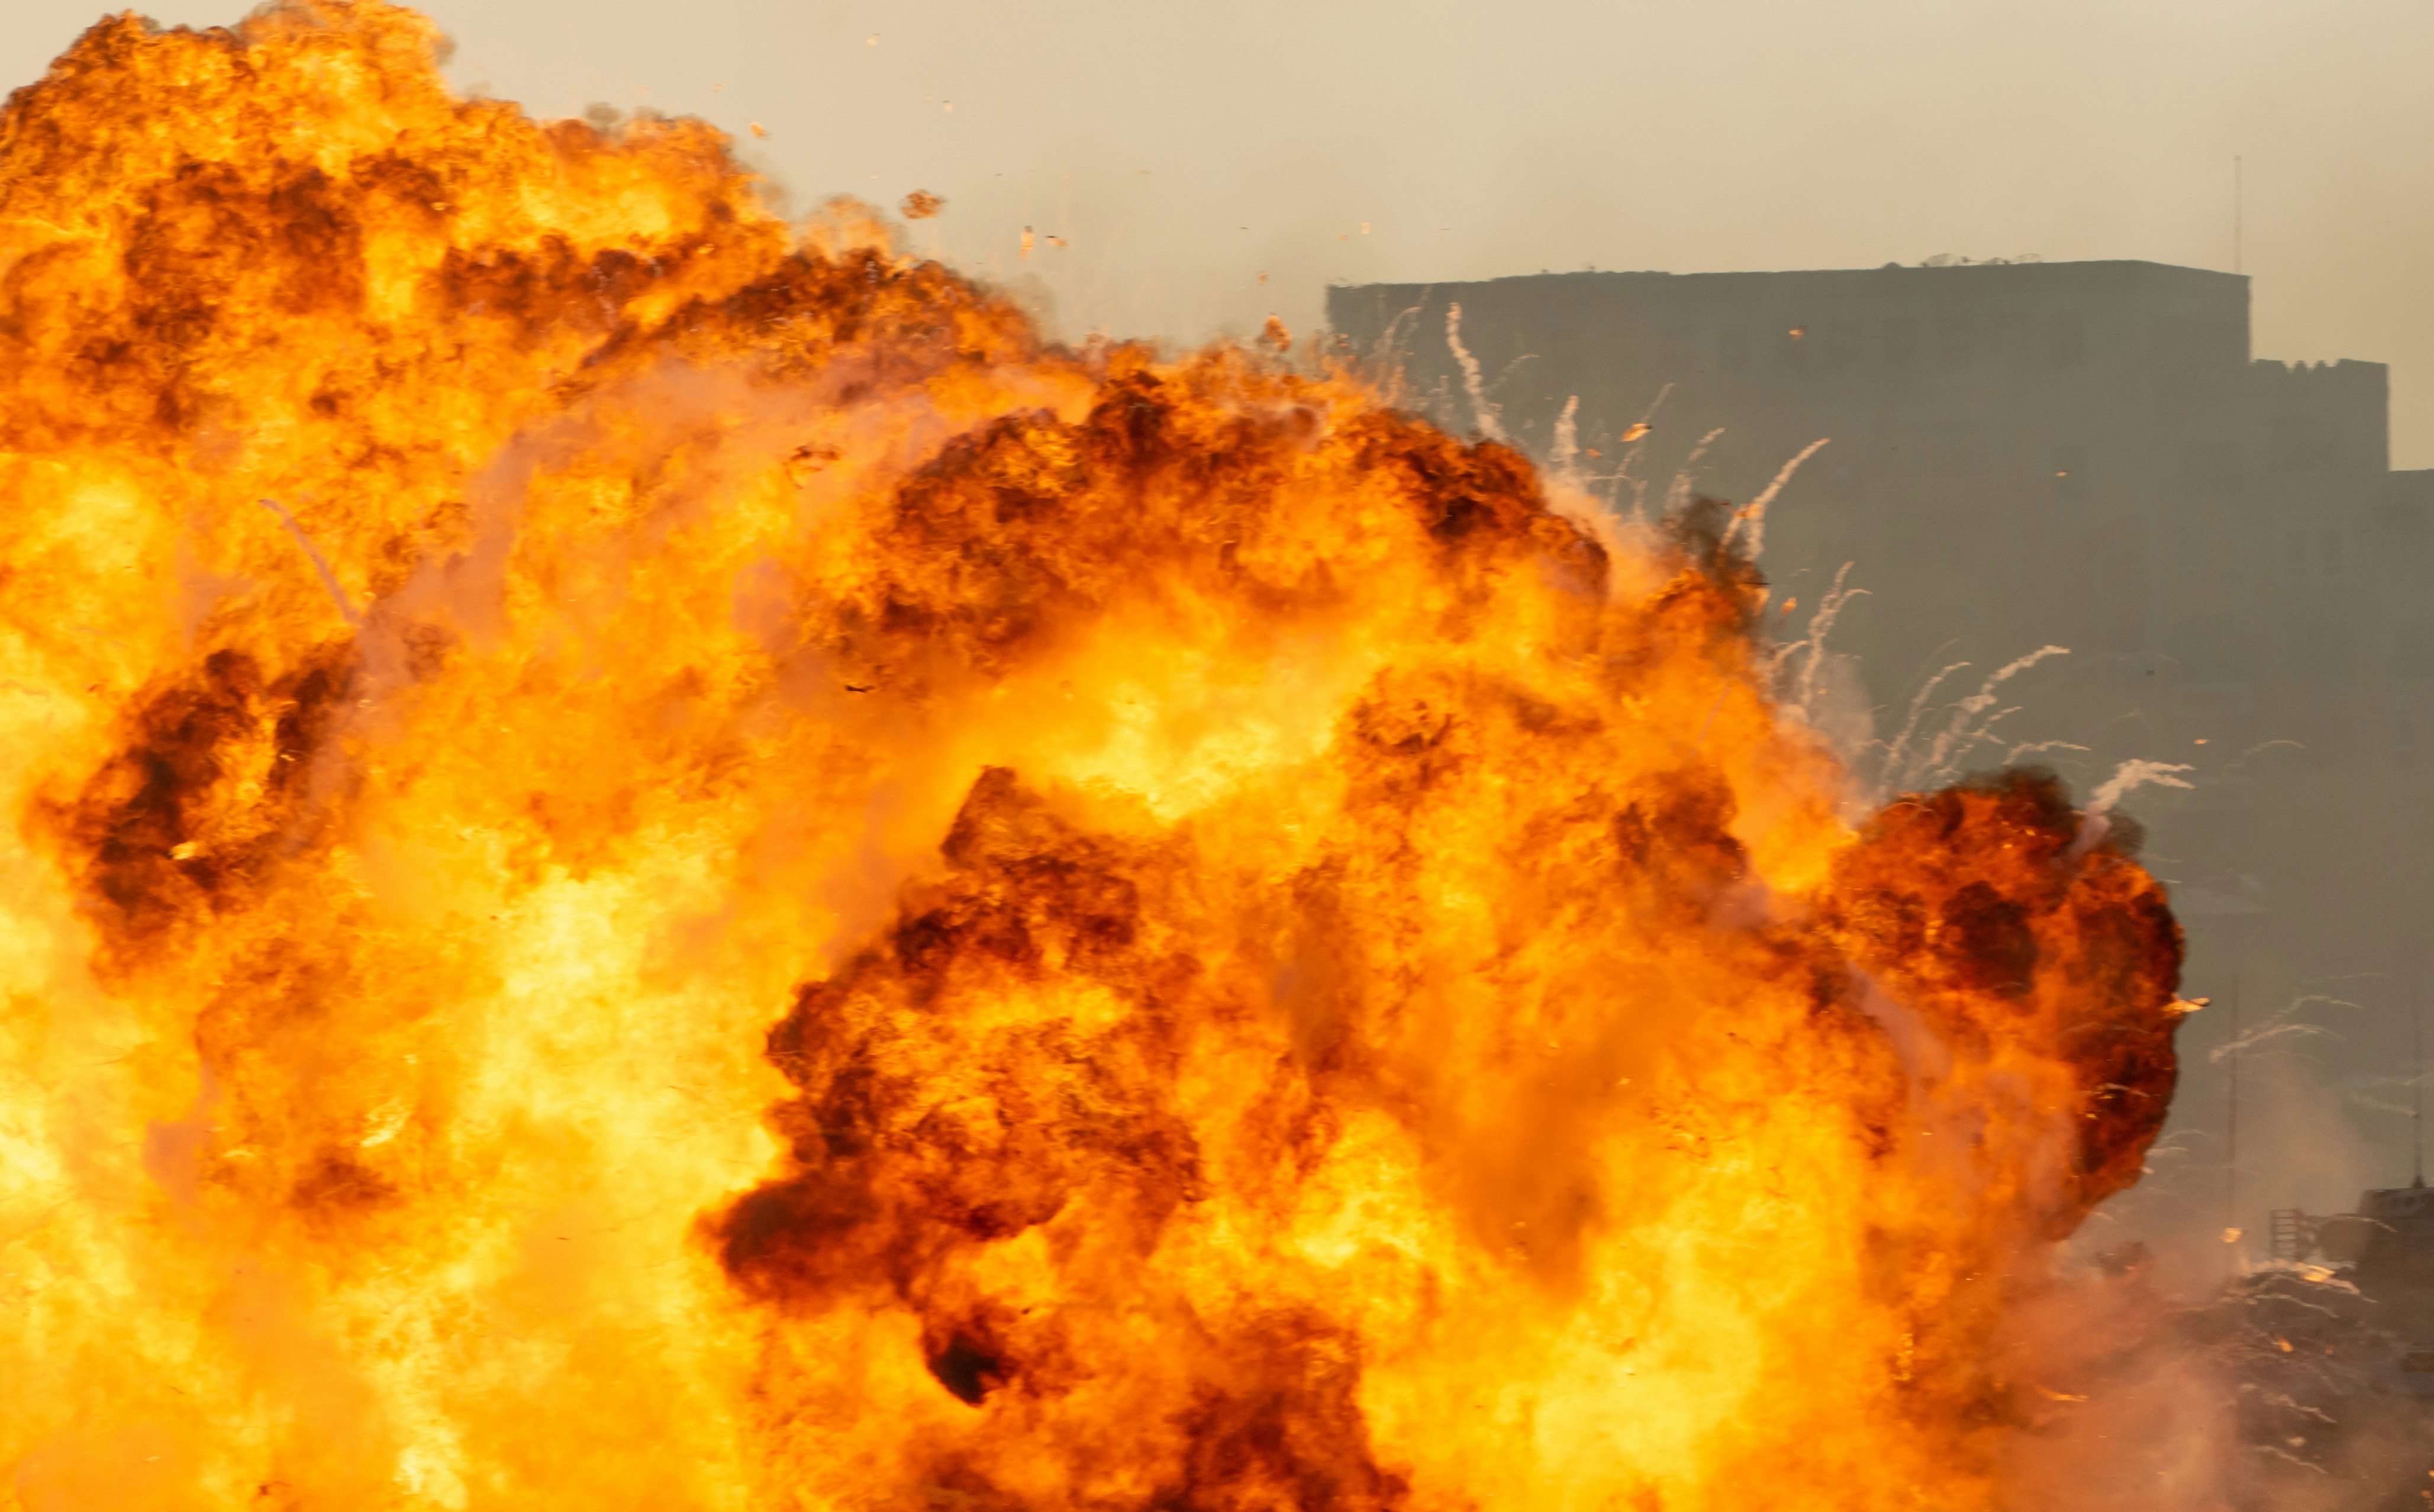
(2082, 454)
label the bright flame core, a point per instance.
(1302, 976)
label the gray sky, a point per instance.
(1184, 150)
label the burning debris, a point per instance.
(763, 892)
(2330, 1349)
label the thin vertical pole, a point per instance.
(2417, 1077)
(2230, 1134)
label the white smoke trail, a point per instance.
(2131, 775)
(2095, 821)
(1562, 458)
(1491, 419)
(1752, 519)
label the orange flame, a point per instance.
(1306, 972)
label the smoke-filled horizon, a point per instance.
(1206, 168)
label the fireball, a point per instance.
(659, 860)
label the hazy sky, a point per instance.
(1185, 150)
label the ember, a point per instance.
(756, 890)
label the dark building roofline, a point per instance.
(2100, 270)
